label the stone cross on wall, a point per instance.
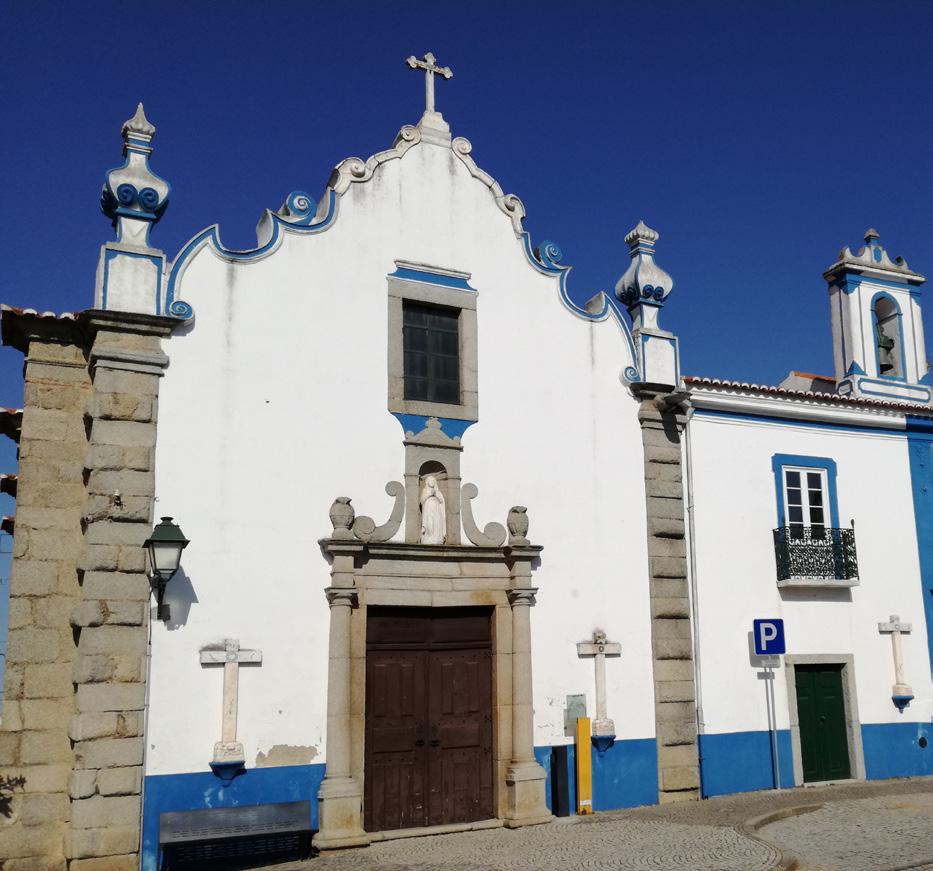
(901, 692)
(600, 649)
(228, 750)
(430, 68)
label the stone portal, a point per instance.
(468, 690)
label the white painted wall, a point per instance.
(735, 511)
(274, 403)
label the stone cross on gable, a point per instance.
(901, 692)
(600, 648)
(430, 68)
(228, 750)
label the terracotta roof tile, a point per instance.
(783, 392)
(47, 315)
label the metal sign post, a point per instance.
(769, 645)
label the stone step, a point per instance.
(680, 795)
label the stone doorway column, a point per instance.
(525, 778)
(340, 798)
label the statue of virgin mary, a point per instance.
(433, 513)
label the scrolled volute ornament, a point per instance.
(180, 310)
(365, 529)
(149, 199)
(409, 133)
(462, 145)
(549, 254)
(299, 208)
(492, 535)
(126, 194)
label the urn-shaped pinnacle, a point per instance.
(342, 516)
(133, 196)
(644, 282)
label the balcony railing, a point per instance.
(815, 555)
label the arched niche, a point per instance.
(889, 336)
(433, 471)
(432, 452)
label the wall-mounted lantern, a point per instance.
(164, 546)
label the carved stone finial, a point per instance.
(870, 234)
(518, 525)
(342, 516)
(644, 282)
(641, 233)
(139, 124)
(133, 196)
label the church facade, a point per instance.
(434, 514)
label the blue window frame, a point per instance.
(782, 463)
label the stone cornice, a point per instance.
(434, 552)
(128, 322)
(21, 326)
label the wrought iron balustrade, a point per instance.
(815, 552)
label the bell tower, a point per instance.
(878, 345)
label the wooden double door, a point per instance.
(824, 745)
(428, 756)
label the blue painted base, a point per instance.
(895, 749)
(625, 775)
(743, 762)
(185, 792)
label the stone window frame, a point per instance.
(850, 700)
(415, 282)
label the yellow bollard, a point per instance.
(584, 767)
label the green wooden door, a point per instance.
(821, 711)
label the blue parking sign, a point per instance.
(769, 637)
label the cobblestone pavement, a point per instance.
(870, 833)
(594, 844)
(881, 826)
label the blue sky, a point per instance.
(757, 138)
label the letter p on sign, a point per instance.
(769, 637)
